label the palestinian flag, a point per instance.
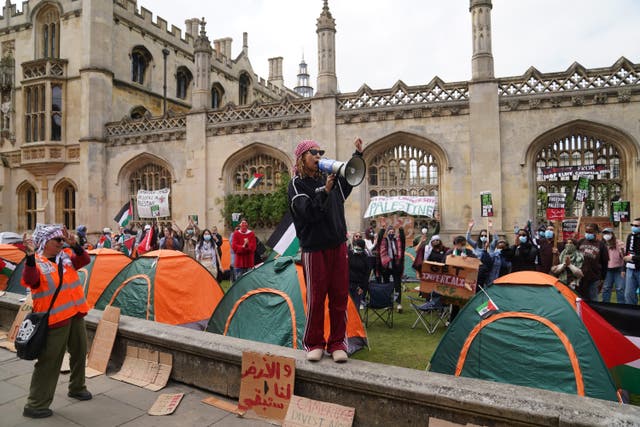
(615, 329)
(146, 242)
(254, 181)
(125, 215)
(487, 308)
(284, 241)
(6, 267)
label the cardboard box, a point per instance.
(103, 341)
(456, 278)
(145, 368)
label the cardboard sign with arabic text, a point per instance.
(266, 385)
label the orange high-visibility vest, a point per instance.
(70, 300)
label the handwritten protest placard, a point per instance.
(582, 189)
(412, 205)
(153, 204)
(486, 203)
(456, 278)
(305, 412)
(555, 206)
(266, 385)
(621, 211)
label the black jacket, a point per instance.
(317, 216)
(632, 247)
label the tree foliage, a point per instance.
(260, 209)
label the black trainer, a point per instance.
(36, 413)
(81, 395)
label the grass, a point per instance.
(397, 346)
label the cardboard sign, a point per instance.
(102, 343)
(165, 404)
(621, 211)
(486, 203)
(305, 412)
(25, 309)
(582, 189)
(145, 368)
(457, 278)
(153, 204)
(266, 385)
(555, 206)
(569, 228)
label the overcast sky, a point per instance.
(379, 42)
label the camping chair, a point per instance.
(430, 313)
(380, 303)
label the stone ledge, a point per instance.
(382, 395)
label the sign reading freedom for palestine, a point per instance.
(153, 204)
(412, 205)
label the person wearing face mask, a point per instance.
(191, 234)
(632, 260)
(484, 237)
(594, 267)
(392, 259)
(244, 246)
(207, 253)
(615, 272)
(523, 253)
(500, 265)
(569, 270)
(546, 250)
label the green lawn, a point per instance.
(400, 345)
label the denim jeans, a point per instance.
(632, 283)
(613, 278)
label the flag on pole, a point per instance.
(6, 267)
(615, 330)
(487, 308)
(145, 243)
(125, 215)
(254, 181)
(283, 241)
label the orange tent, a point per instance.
(13, 255)
(95, 276)
(226, 253)
(166, 286)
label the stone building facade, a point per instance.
(103, 130)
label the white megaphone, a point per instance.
(353, 170)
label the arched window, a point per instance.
(244, 84)
(217, 92)
(35, 113)
(150, 176)
(65, 194)
(403, 169)
(140, 60)
(183, 79)
(571, 152)
(138, 112)
(56, 112)
(48, 33)
(271, 169)
(27, 207)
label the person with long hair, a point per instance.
(615, 275)
(316, 203)
(523, 253)
(207, 253)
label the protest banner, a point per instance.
(153, 204)
(582, 189)
(555, 206)
(569, 227)
(621, 211)
(412, 205)
(557, 172)
(486, 203)
(266, 385)
(456, 278)
(305, 412)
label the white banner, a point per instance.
(153, 204)
(412, 205)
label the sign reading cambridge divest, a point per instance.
(457, 278)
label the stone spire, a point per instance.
(326, 30)
(482, 59)
(201, 98)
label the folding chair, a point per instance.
(380, 303)
(430, 313)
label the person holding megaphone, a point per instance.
(316, 200)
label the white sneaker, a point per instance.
(315, 355)
(340, 356)
(399, 308)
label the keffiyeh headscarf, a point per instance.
(429, 248)
(45, 232)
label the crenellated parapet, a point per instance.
(14, 20)
(576, 86)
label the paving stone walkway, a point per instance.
(114, 403)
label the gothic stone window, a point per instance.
(403, 170)
(65, 193)
(35, 111)
(573, 150)
(27, 207)
(245, 81)
(140, 60)
(217, 92)
(272, 169)
(48, 33)
(183, 79)
(149, 177)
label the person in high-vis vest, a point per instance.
(66, 320)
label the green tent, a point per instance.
(523, 331)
